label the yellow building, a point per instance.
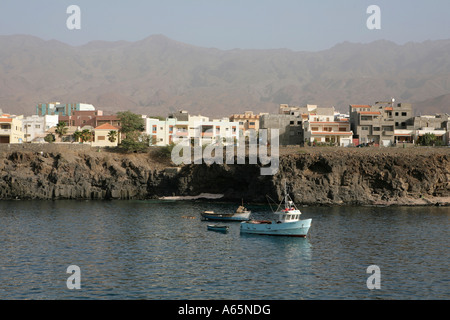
(11, 129)
(101, 136)
(247, 121)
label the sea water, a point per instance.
(161, 250)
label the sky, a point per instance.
(299, 25)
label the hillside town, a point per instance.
(382, 124)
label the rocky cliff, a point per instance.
(314, 176)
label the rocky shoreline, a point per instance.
(332, 177)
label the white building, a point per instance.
(222, 131)
(182, 126)
(35, 127)
(328, 129)
(161, 132)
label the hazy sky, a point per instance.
(227, 24)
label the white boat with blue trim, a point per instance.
(286, 223)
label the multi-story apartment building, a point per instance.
(322, 129)
(35, 127)
(56, 108)
(11, 128)
(181, 126)
(161, 132)
(247, 121)
(384, 123)
(93, 118)
(290, 128)
(290, 122)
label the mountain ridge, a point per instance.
(158, 75)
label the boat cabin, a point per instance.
(289, 214)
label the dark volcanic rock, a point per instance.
(328, 178)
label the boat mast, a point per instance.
(285, 195)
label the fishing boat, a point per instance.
(286, 222)
(241, 214)
(218, 228)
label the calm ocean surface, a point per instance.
(150, 250)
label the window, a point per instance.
(404, 114)
(314, 128)
(376, 128)
(38, 126)
(292, 122)
(396, 114)
(101, 138)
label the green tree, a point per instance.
(61, 129)
(428, 139)
(130, 122)
(50, 138)
(132, 127)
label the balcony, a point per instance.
(181, 133)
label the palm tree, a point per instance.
(77, 135)
(86, 135)
(112, 136)
(61, 129)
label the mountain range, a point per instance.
(157, 75)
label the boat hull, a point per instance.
(218, 228)
(289, 229)
(227, 217)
